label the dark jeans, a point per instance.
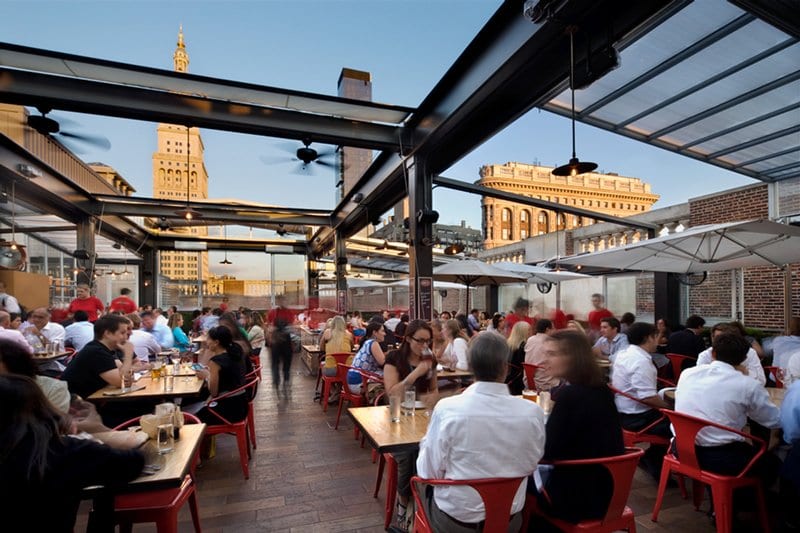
(281, 353)
(653, 457)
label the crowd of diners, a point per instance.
(484, 430)
(487, 431)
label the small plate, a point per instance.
(417, 405)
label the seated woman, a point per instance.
(411, 366)
(239, 336)
(16, 360)
(370, 356)
(226, 371)
(336, 339)
(454, 356)
(255, 331)
(175, 324)
(584, 424)
(516, 344)
(44, 469)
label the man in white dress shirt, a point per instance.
(611, 341)
(482, 433)
(144, 344)
(752, 363)
(41, 331)
(80, 332)
(721, 393)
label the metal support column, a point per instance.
(312, 280)
(667, 297)
(341, 273)
(84, 250)
(420, 252)
(148, 280)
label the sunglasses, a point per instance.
(422, 341)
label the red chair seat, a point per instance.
(328, 381)
(159, 506)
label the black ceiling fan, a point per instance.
(307, 156)
(51, 127)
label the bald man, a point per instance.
(41, 327)
(7, 333)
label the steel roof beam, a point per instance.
(754, 142)
(670, 62)
(782, 168)
(767, 157)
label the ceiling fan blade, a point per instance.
(326, 153)
(323, 163)
(64, 121)
(98, 141)
(287, 146)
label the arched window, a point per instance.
(506, 225)
(543, 225)
(524, 224)
(561, 222)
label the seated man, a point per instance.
(688, 341)
(13, 335)
(635, 374)
(40, 330)
(144, 344)
(97, 365)
(456, 445)
(752, 364)
(80, 332)
(790, 473)
(720, 393)
(535, 354)
(160, 332)
(611, 341)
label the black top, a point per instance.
(52, 503)
(584, 424)
(685, 342)
(421, 385)
(231, 377)
(514, 375)
(83, 372)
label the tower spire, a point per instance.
(181, 58)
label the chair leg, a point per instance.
(251, 425)
(763, 517)
(167, 522)
(698, 491)
(391, 489)
(722, 497)
(381, 466)
(326, 391)
(195, 512)
(375, 455)
(339, 412)
(241, 439)
(662, 486)
(682, 485)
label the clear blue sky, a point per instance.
(406, 45)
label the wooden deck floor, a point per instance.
(306, 477)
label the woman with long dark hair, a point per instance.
(227, 366)
(584, 424)
(42, 469)
(370, 356)
(412, 366)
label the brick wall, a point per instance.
(712, 298)
(645, 295)
(742, 204)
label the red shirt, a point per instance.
(124, 304)
(559, 319)
(281, 313)
(91, 305)
(597, 315)
(513, 318)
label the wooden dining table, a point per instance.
(149, 388)
(171, 470)
(385, 435)
(41, 357)
(454, 374)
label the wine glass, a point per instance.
(175, 357)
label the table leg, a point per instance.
(101, 517)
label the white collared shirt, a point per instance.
(752, 364)
(53, 332)
(792, 372)
(634, 373)
(720, 393)
(482, 433)
(79, 334)
(144, 345)
(611, 348)
(14, 335)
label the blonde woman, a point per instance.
(255, 331)
(336, 338)
(455, 353)
(439, 342)
(516, 343)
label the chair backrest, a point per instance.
(497, 495)
(341, 357)
(774, 370)
(686, 428)
(622, 468)
(341, 374)
(530, 374)
(677, 361)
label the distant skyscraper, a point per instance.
(355, 84)
(179, 157)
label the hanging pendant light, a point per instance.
(225, 261)
(575, 165)
(188, 213)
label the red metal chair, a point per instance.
(251, 418)
(677, 360)
(159, 506)
(618, 516)
(328, 381)
(387, 460)
(239, 429)
(774, 370)
(722, 487)
(497, 495)
(356, 400)
(530, 374)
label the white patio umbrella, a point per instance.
(704, 248)
(436, 284)
(537, 274)
(471, 273)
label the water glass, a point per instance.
(127, 380)
(394, 407)
(169, 383)
(409, 402)
(166, 439)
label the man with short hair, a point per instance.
(160, 318)
(7, 333)
(634, 373)
(720, 393)
(473, 320)
(611, 341)
(535, 354)
(598, 312)
(211, 320)
(392, 323)
(40, 330)
(97, 364)
(144, 344)
(751, 365)
(521, 311)
(123, 303)
(482, 433)
(160, 332)
(688, 341)
(80, 332)
(8, 303)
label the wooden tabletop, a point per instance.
(388, 436)
(454, 374)
(151, 389)
(43, 356)
(312, 348)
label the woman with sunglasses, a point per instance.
(411, 366)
